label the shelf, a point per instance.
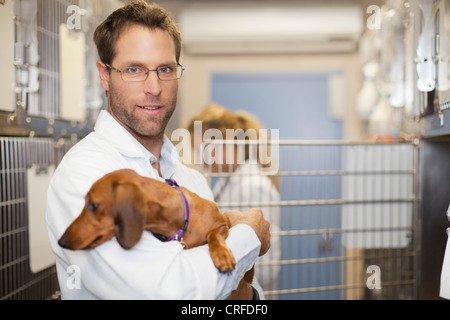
(436, 125)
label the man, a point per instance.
(139, 49)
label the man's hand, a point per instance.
(255, 219)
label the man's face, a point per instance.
(143, 108)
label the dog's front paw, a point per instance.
(223, 259)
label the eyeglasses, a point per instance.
(134, 74)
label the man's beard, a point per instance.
(141, 126)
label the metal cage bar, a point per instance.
(38, 120)
(345, 210)
(17, 281)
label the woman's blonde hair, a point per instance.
(215, 116)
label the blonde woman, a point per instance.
(241, 180)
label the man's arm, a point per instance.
(155, 270)
(255, 219)
(151, 269)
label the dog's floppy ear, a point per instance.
(129, 220)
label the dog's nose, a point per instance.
(64, 242)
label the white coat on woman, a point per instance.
(248, 187)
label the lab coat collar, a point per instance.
(121, 139)
(116, 135)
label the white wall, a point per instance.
(195, 86)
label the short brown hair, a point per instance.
(138, 12)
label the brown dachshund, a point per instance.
(124, 203)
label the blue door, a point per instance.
(296, 104)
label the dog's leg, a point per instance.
(244, 291)
(220, 254)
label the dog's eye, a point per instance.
(92, 206)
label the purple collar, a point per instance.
(180, 233)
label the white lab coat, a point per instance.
(445, 274)
(152, 269)
(248, 187)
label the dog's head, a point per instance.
(114, 206)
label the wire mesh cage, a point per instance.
(17, 156)
(16, 280)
